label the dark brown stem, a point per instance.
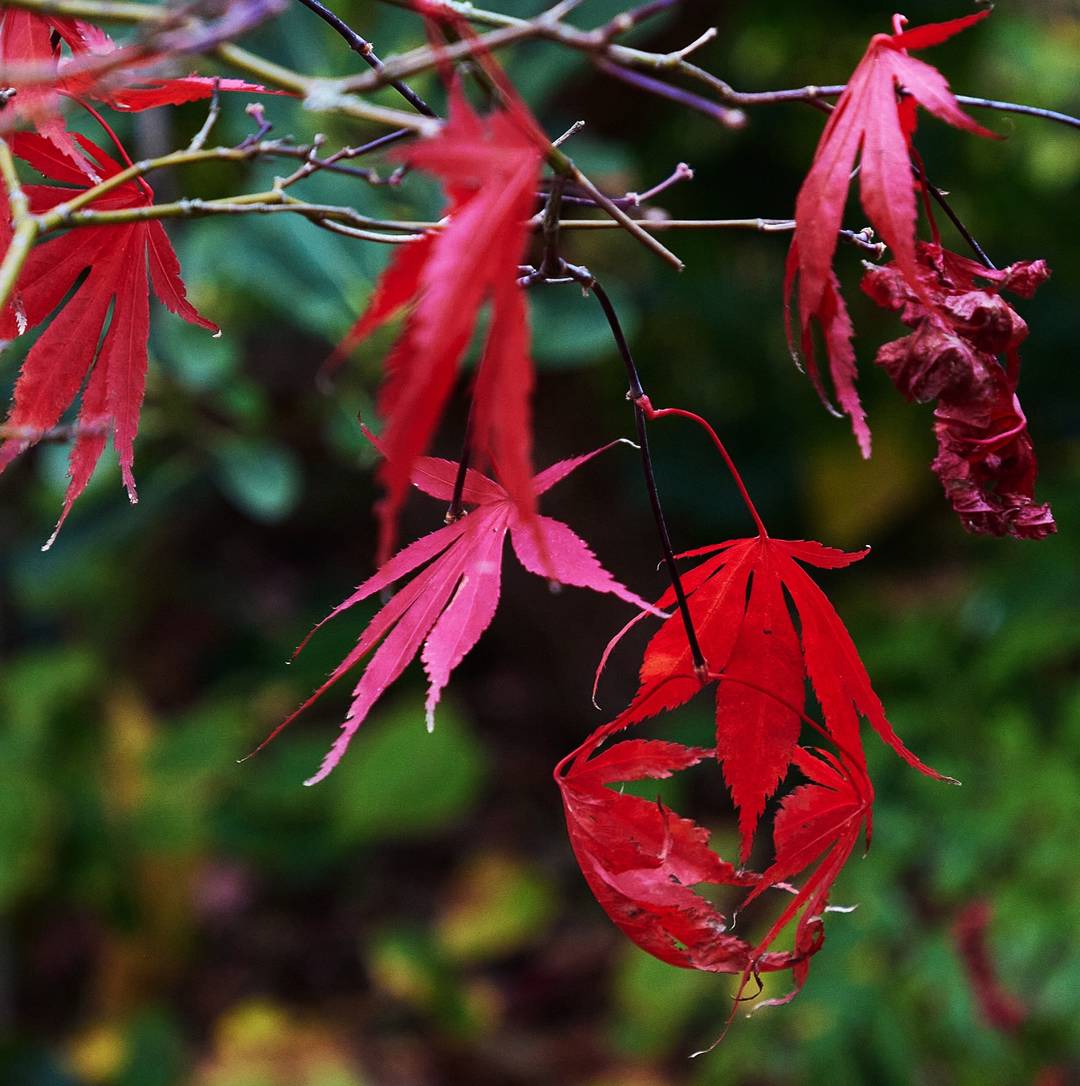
(964, 232)
(636, 395)
(550, 264)
(366, 51)
(456, 509)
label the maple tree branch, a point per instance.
(273, 201)
(425, 57)
(597, 43)
(198, 141)
(71, 213)
(625, 21)
(114, 11)
(566, 168)
(26, 226)
(55, 435)
(18, 203)
(725, 115)
(179, 30)
(1017, 107)
(321, 95)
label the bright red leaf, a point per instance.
(818, 823)
(32, 42)
(67, 353)
(738, 602)
(985, 460)
(490, 167)
(870, 122)
(442, 612)
(643, 861)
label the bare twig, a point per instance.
(366, 51)
(26, 226)
(198, 141)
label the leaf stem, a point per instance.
(456, 509)
(964, 232)
(637, 396)
(671, 412)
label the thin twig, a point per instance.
(566, 168)
(26, 225)
(725, 115)
(198, 141)
(366, 51)
(625, 21)
(962, 230)
(636, 395)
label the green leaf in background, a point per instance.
(569, 331)
(400, 781)
(32, 691)
(260, 477)
(199, 360)
(497, 905)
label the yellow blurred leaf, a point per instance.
(98, 1054)
(496, 906)
(850, 499)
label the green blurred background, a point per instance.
(169, 916)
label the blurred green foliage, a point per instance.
(172, 917)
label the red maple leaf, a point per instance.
(738, 602)
(643, 861)
(67, 353)
(869, 122)
(28, 39)
(985, 460)
(490, 167)
(818, 823)
(446, 607)
(32, 42)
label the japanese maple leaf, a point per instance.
(67, 353)
(443, 611)
(490, 167)
(126, 88)
(819, 823)
(29, 41)
(642, 861)
(985, 459)
(740, 615)
(869, 122)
